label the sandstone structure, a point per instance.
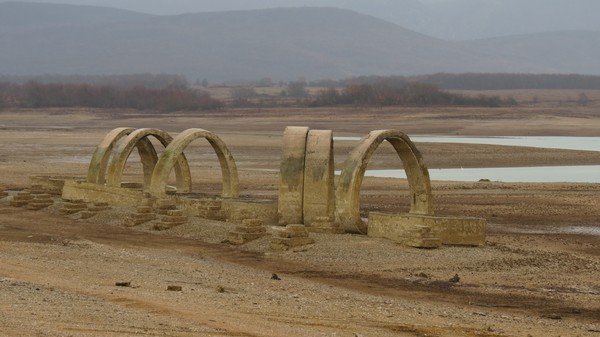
(353, 171)
(308, 198)
(291, 178)
(21, 199)
(250, 229)
(294, 235)
(174, 151)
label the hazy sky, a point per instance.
(165, 7)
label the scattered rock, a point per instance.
(552, 316)
(423, 275)
(220, 289)
(123, 284)
(454, 279)
(275, 277)
(174, 288)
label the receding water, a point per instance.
(551, 142)
(548, 174)
(583, 174)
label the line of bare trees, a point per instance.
(37, 95)
(404, 94)
(479, 81)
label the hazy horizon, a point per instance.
(174, 7)
(444, 19)
(379, 37)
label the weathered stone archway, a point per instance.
(99, 162)
(149, 158)
(169, 158)
(353, 171)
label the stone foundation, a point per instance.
(325, 225)
(251, 229)
(241, 209)
(424, 231)
(51, 184)
(114, 196)
(292, 236)
(143, 214)
(21, 199)
(40, 201)
(73, 206)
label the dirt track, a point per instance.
(536, 275)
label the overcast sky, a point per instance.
(167, 7)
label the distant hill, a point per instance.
(445, 19)
(25, 15)
(283, 43)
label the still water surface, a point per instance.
(589, 173)
(541, 174)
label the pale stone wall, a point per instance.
(266, 211)
(52, 184)
(90, 192)
(412, 228)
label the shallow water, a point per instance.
(582, 174)
(576, 230)
(572, 174)
(550, 142)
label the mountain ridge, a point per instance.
(281, 43)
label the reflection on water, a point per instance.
(574, 174)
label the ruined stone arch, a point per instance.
(149, 158)
(168, 159)
(353, 171)
(99, 162)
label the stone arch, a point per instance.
(168, 159)
(149, 158)
(99, 162)
(353, 171)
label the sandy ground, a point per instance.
(537, 275)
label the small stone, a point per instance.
(123, 284)
(174, 288)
